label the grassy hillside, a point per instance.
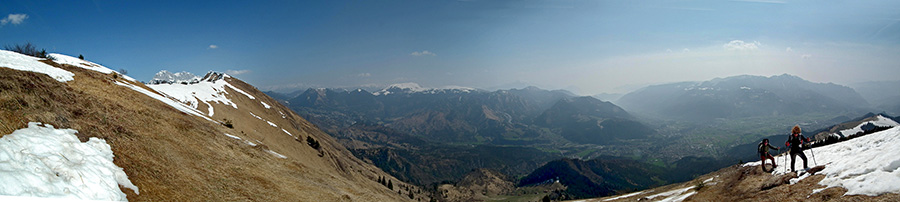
(173, 156)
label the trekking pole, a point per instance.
(813, 155)
(785, 160)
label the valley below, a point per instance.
(435, 138)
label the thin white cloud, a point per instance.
(237, 72)
(13, 19)
(788, 49)
(685, 50)
(213, 46)
(738, 45)
(691, 9)
(366, 74)
(806, 56)
(762, 1)
(423, 53)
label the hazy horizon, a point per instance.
(587, 47)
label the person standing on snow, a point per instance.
(763, 150)
(795, 142)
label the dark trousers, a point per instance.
(763, 157)
(802, 156)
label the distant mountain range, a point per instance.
(882, 95)
(469, 115)
(743, 96)
(437, 135)
(425, 134)
(588, 120)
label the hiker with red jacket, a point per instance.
(763, 150)
(795, 142)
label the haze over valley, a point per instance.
(465, 100)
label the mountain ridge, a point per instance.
(167, 148)
(742, 96)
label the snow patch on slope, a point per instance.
(678, 198)
(276, 154)
(41, 161)
(22, 62)
(674, 195)
(257, 117)
(239, 90)
(177, 105)
(206, 92)
(285, 131)
(624, 196)
(879, 121)
(248, 142)
(260, 118)
(867, 165)
(193, 94)
(69, 60)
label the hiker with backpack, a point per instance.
(763, 150)
(795, 142)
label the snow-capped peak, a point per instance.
(400, 88)
(462, 88)
(406, 86)
(409, 88)
(209, 89)
(164, 76)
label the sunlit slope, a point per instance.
(174, 151)
(865, 168)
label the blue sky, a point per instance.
(585, 46)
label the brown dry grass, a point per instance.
(172, 156)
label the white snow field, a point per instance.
(69, 60)
(205, 91)
(22, 62)
(866, 165)
(674, 195)
(177, 105)
(624, 196)
(879, 121)
(41, 161)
